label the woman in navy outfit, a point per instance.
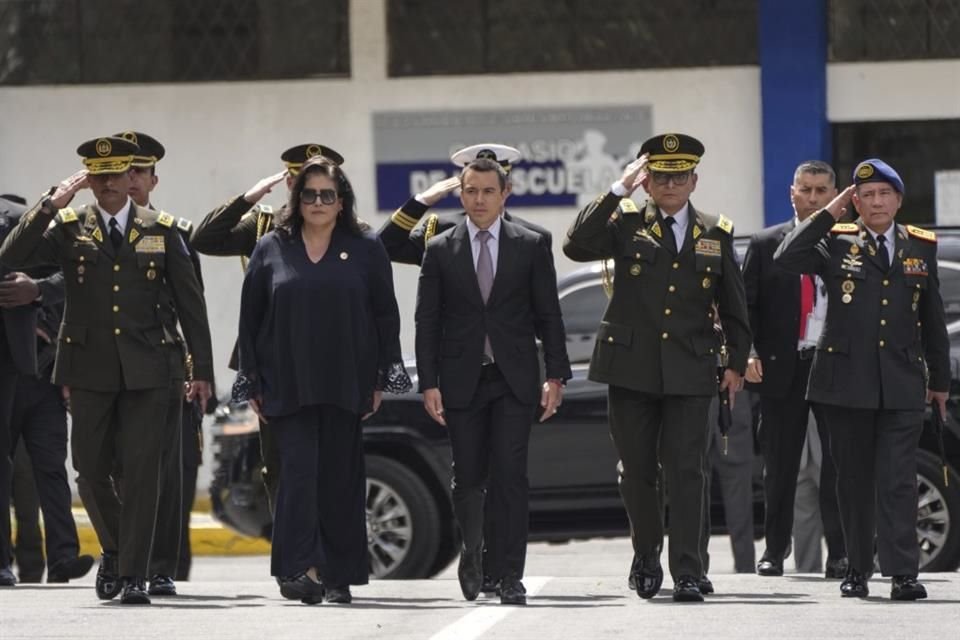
(319, 342)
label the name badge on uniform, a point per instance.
(914, 267)
(151, 244)
(706, 247)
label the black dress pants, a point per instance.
(489, 440)
(320, 519)
(8, 385)
(876, 456)
(783, 431)
(651, 431)
(165, 556)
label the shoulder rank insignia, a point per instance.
(923, 234)
(165, 219)
(68, 215)
(266, 209)
(430, 229)
(184, 225)
(725, 224)
(844, 227)
(628, 206)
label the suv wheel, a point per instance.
(938, 515)
(403, 521)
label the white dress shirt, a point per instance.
(121, 216)
(681, 222)
(891, 240)
(493, 242)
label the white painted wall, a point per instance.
(913, 90)
(222, 137)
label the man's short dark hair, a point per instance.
(815, 167)
(484, 165)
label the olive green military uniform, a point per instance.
(657, 349)
(120, 354)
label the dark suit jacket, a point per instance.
(452, 319)
(773, 303)
(20, 323)
(885, 329)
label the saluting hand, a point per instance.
(838, 206)
(265, 186)
(731, 383)
(65, 191)
(433, 403)
(754, 370)
(635, 174)
(550, 399)
(440, 190)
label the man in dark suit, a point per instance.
(883, 355)
(118, 354)
(657, 350)
(487, 288)
(786, 317)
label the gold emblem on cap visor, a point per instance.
(104, 147)
(671, 143)
(313, 150)
(864, 171)
(129, 136)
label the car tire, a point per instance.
(938, 515)
(403, 521)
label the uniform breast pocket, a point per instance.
(640, 249)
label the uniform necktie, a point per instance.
(116, 238)
(668, 236)
(807, 292)
(882, 250)
(485, 279)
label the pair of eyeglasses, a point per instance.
(326, 196)
(661, 178)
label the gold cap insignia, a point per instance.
(104, 147)
(313, 151)
(129, 135)
(671, 143)
(864, 171)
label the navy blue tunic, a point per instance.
(318, 333)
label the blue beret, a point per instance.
(876, 170)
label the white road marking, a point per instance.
(480, 620)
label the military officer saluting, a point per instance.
(406, 233)
(657, 350)
(118, 354)
(882, 356)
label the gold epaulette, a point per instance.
(67, 215)
(165, 219)
(923, 234)
(184, 225)
(725, 224)
(403, 220)
(844, 227)
(628, 206)
(265, 209)
(431, 228)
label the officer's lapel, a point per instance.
(463, 259)
(902, 244)
(93, 227)
(658, 230)
(695, 229)
(131, 233)
(506, 254)
(870, 246)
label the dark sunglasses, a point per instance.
(661, 178)
(327, 196)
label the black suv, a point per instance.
(572, 464)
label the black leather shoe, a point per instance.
(646, 576)
(70, 569)
(108, 585)
(836, 569)
(301, 587)
(705, 586)
(134, 591)
(162, 586)
(512, 591)
(339, 595)
(470, 573)
(907, 588)
(854, 585)
(685, 589)
(490, 586)
(7, 579)
(769, 567)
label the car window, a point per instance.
(583, 307)
(950, 289)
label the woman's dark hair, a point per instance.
(291, 219)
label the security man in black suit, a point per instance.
(657, 349)
(883, 355)
(406, 233)
(786, 316)
(487, 288)
(118, 351)
(232, 229)
(171, 542)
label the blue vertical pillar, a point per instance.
(793, 93)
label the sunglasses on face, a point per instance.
(326, 196)
(663, 178)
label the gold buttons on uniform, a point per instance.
(67, 340)
(81, 270)
(666, 312)
(151, 274)
(116, 267)
(80, 279)
(116, 332)
(116, 287)
(883, 322)
(830, 349)
(886, 283)
(82, 258)
(116, 308)
(671, 288)
(609, 338)
(152, 264)
(676, 265)
(882, 343)
(664, 335)
(709, 269)
(884, 302)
